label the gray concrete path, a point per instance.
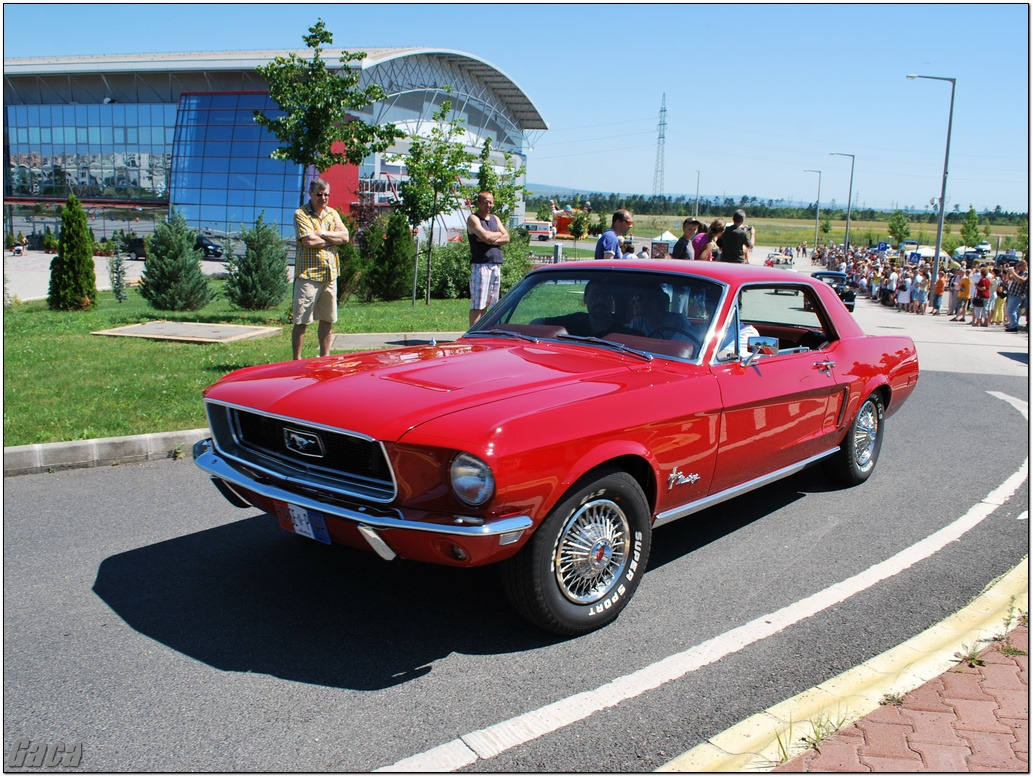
(27, 277)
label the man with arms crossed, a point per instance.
(486, 236)
(319, 231)
(609, 244)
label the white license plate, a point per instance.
(308, 523)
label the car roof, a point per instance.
(725, 272)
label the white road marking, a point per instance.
(493, 740)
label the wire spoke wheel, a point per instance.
(591, 551)
(866, 433)
(855, 460)
(587, 558)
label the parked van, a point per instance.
(540, 230)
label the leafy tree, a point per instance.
(50, 241)
(504, 187)
(389, 259)
(435, 165)
(316, 104)
(1022, 238)
(258, 279)
(578, 227)
(451, 277)
(970, 227)
(899, 228)
(825, 226)
(172, 277)
(73, 276)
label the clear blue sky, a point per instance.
(755, 93)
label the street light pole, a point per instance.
(943, 186)
(817, 208)
(849, 195)
(697, 195)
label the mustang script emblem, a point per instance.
(304, 443)
(676, 478)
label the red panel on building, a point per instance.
(344, 183)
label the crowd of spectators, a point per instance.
(994, 294)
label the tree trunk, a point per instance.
(430, 245)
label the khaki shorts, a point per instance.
(314, 301)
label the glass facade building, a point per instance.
(150, 132)
(222, 176)
(110, 151)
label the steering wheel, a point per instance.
(659, 332)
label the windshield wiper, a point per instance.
(609, 344)
(505, 333)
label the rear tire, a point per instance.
(585, 561)
(855, 460)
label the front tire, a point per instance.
(855, 460)
(585, 561)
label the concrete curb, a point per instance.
(50, 457)
(757, 743)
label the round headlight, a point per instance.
(472, 480)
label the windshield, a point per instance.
(665, 314)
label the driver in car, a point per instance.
(654, 318)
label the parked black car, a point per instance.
(840, 282)
(211, 250)
(136, 248)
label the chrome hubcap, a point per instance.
(591, 551)
(866, 431)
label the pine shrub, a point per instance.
(172, 277)
(389, 268)
(73, 278)
(258, 279)
(117, 268)
(349, 262)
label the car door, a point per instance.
(776, 408)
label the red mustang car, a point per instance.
(594, 402)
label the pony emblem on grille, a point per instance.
(303, 443)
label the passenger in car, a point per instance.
(601, 318)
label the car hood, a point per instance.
(384, 394)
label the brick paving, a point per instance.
(969, 719)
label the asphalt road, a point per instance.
(169, 631)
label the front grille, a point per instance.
(343, 453)
(332, 460)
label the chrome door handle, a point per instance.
(826, 365)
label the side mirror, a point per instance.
(760, 346)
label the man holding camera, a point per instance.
(736, 241)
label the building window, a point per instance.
(222, 174)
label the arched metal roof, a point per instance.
(162, 77)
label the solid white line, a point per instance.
(489, 742)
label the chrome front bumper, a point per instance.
(208, 459)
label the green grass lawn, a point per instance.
(62, 383)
